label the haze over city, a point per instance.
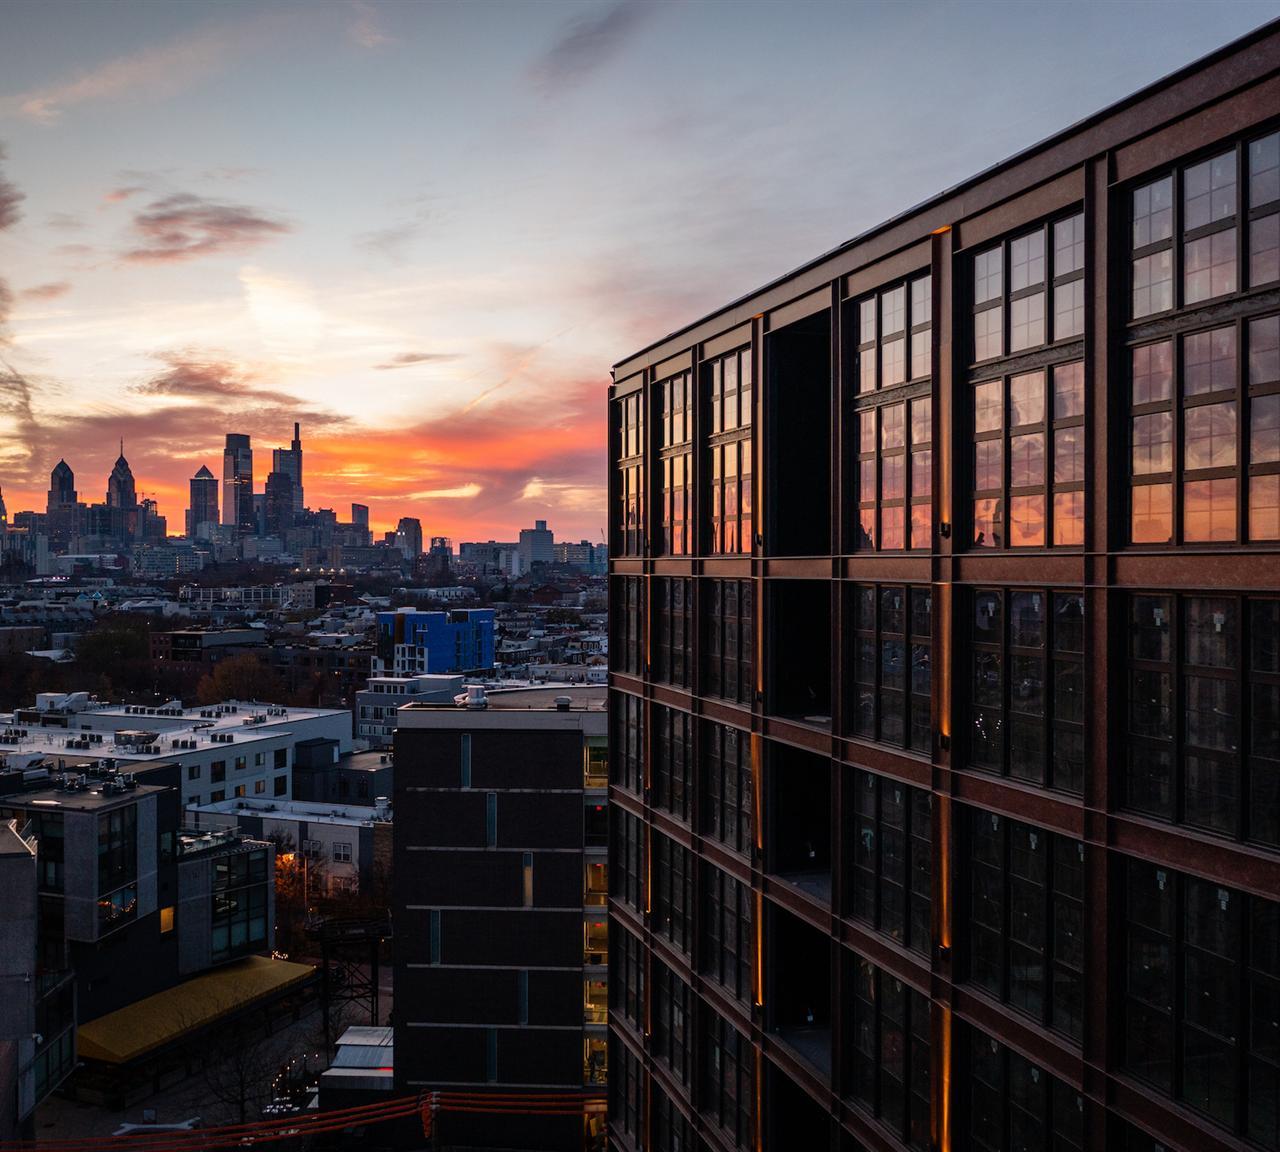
(424, 231)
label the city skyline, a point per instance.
(180, 261)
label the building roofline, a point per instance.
(1262, 32)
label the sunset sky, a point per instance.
(426, 230)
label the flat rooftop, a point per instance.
(123, 728)
(95, 799)
(351, 815)
(582, 698)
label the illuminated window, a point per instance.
(1187, 488)
(166, 919)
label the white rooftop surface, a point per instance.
(349, 815)
(248, 724)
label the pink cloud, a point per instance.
(186, 227)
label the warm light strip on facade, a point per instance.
(648, 868)
(942, 664)
(943, 903)
(757, 790)
(942, 1101)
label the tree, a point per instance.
(299, 883)
(116, 655)
(241, 677)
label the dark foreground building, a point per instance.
(945, 690)
(499, 888)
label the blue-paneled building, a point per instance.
(412, 643)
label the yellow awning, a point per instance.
(128, 1033)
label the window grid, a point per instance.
(728, 1079)
(1026, 919)
(1205, 420)
(1028, 291)
(1190, 240)
(631, 508)
(729, 790)
(672, 892)
(1027, 686)
(894, 456)
(890, 1052)
(670, 1021)
(891, 879)
(727, 941)
(672, 762)
(1014, 1104)
(729, 382)
(1200, 996)
(1029, 459)
(892, 665)
(674, 631)
(675, 416)
(1204, 714)
(730, 627)
(895, 475)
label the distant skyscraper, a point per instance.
(4, 515)
(360, 515)
(288, 461)
(237, 484)
(202, 515)
(280, 500)
(62, 486)
(409, 537)
(122, 492)
(537, 545)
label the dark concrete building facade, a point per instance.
(945, 666)
(499, 896)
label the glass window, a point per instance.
(730, 623)
(1027, 686)
(892, 665)
(728, 940)
(1200, 490)
(1199, 958)
(1045, 297)
(890, 878)
(1025, 919)
(728, 383)
(1014, 1104)
(1193, 758)
(629, 525)
(889, 1052)
(1019, 469)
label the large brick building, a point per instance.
(945, 666)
